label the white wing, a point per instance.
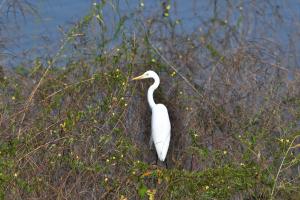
(161, 130)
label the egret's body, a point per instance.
(160, 130)
(160, 122)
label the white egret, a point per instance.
(160, 122)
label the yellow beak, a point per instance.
(138, 77)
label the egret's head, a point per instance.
(147, 74)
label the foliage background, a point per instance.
(73, 125)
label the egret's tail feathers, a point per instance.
(162, 150)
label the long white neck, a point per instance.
(151, 90)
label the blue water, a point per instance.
(41, 33)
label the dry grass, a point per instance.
(77, 128)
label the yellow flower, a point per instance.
(151, 194)
(123, 198)
(281, 140)
(63, 125)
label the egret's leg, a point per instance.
(151, 142)
(166, 163)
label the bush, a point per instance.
(76, 127)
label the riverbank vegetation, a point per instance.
(73, 125)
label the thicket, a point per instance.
(73, 125)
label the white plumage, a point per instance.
(160, 130)
(160, 122)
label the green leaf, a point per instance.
(142, 190)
